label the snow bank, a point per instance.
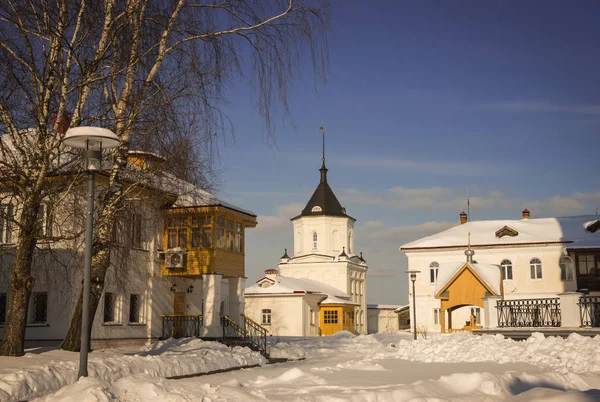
(578, 354)
(284, 350)
(169, 358)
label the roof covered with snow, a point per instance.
(285, 285)
(489, 273)
(572, 229)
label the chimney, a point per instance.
(271, 274)
(64, 123)
(463, 217)
(526, 214)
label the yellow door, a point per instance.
(179, 312)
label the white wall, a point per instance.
(290, 314)
(325, 227)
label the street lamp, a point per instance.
(413, 277)
(92, 140)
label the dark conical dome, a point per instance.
(323, 200)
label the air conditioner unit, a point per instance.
(175, 259)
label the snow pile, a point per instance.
(576, 354)
(170, 358)
(284, 350)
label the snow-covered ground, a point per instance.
(343, 367)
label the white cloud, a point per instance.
(281, 220)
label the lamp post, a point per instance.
(413, 277)
(92, 140)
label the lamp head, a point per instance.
(92, 140)
(413, 274)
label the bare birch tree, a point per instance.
(124, 65)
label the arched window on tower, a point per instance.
(315, 240)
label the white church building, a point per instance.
(321, 288)
(517, 274)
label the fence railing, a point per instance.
(589, 311)
(529, 313)
(181, 326)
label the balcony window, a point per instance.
(239, 237)
(177, 230)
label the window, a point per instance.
(134, 308)
(201, 231)
(6, 219)
(315, 240)
(239, 237)
(433, 271)
(230, 235)
(507, 273)
(220, 232)
(44, 222)
(136, 231)
(177, 232)
(436, 316)
(110, 304)
(266, 316)
(588, 264)
(535, 266)
(476, 312)
(3, 303)
(330, 317)
(566, 268)
(39, 308)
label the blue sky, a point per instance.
(427, 100)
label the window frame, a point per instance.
(330, 317)
(434, 268)
(315, 240)
(536, 269)
(436, 316)
(566, 271)
(34, 310)
(507, 267)
(114, 311)
(3, 311)
(138, 298)
(266, 316)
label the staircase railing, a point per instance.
(255, 332)
(234, 334)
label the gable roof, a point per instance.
(570, 229)
(488, 274)
(285, 285)
(506, 231)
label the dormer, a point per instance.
(506, 231)
(593, 226)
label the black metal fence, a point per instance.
(589, 311)
(181, 326)
(529, 313)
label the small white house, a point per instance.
(387, 317)
(523, 273)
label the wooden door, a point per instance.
(179, 313)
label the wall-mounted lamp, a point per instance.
(190, 289)
(174, 288)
